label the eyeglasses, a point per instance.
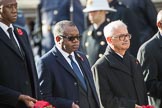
(123, 36)
(71, 38)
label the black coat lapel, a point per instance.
(60, 58)
(87, 72)
(116, 64)
(8, 42)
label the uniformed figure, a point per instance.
(53, 11)
(129, 18)
(146, 12)
(93, 42)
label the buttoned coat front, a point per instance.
(120, 88)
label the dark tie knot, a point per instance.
(9, 30)
(70, 57)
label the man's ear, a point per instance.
(159, 24)
(108, 39)
(58, 38)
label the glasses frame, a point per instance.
(71, 38)
(122, 37)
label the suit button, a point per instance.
(75, 83)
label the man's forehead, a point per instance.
(7, 2)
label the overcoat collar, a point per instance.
(114, 62)
(158, 35)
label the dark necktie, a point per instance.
(13, 40)
(78, 72)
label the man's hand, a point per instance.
(74, 105)
(29, 101)
(137, 106)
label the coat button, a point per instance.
(86, 44)
(55, 12)
(100, 55)
(102, 43)
(75, 83)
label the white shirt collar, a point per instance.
(65, 54)
(5, 28)
(119, 54)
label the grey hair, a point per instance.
(113, 26)
(59, 27)
(159, 16)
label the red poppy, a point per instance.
(42, 104)
(19, 31)
(80, 57)
(147, 106)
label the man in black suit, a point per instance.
(119, 74)
(150, 57)
(64, 81)
(18, 77)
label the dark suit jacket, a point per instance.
(150, 57)
(58, 83)
(120, 87)
(15, 74)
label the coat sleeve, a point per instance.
(8, 96)
(108, 98)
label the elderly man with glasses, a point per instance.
(118, 73)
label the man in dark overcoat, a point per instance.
(18, 79)
(120, 79)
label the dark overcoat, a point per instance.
(17, 72)
(120, 87)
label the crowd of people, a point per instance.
(102, 55)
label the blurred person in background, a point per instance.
(146, 15)
(130, 19)
(52, 11)
(93, 42)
